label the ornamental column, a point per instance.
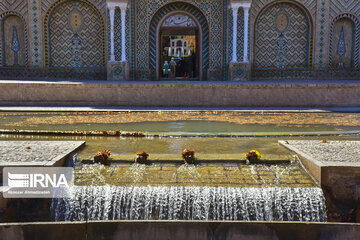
(235, 10)
(246, 33)
(112, 14)
(123, 39)
(117, 70)
(240, 70)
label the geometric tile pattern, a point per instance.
(100, 5)
(20, 9)
(127, 33)
(66, 47)
(20, 6)
(257, 5)
(108, 34)
(356, 40)
(284, 49)
(179, 7)
(35, 30)
(351, 10)
(3, 16)
(338, 7)
(117, 34)
(321, 43)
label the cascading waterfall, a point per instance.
(190, 203)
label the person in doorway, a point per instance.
(172, 68)
(166, 69)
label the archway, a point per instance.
(179, 43)
(74, 36)
(283, 37)
(194, 32)
(344, 42)
(14, 44)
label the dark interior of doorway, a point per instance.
(179, 54)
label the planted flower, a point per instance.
(189, 156)
(102, 157)
(141, 157)
(253, 156)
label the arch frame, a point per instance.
(356, 23)
(46, 25)
(310, 22)
(3, 16)
(154, 32)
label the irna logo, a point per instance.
(36, 180)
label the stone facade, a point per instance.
(236, 39)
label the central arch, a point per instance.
(159, 17)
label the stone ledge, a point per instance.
(339, 177)
(179, 230)
(180, 94)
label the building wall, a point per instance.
(327, 18)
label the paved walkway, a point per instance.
(35, 153)
(330, 153)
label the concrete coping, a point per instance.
(37, 153)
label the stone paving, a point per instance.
(30, 153)
(329, 153)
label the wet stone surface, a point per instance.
(226, 174)
(35, 152)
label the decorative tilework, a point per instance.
(66, 47)
(99, 4)
(240, 35)
(351, 10)
(225, 34)
(108, 34)
(144, 10)
(285, 48)
(35, 18)
(257, 5)
(322, 34)
(338, 7)
(356, 41)
(117, 34)
(4, 15)
(117, 72)
(127, 32)
(230, 35)
(179, 7)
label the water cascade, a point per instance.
(190, 203)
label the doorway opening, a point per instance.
(179, 49)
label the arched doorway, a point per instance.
(195, 34)
(179, 48)
(74, 36)
(283, 37)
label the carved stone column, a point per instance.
(246, 33)
(117, 70)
